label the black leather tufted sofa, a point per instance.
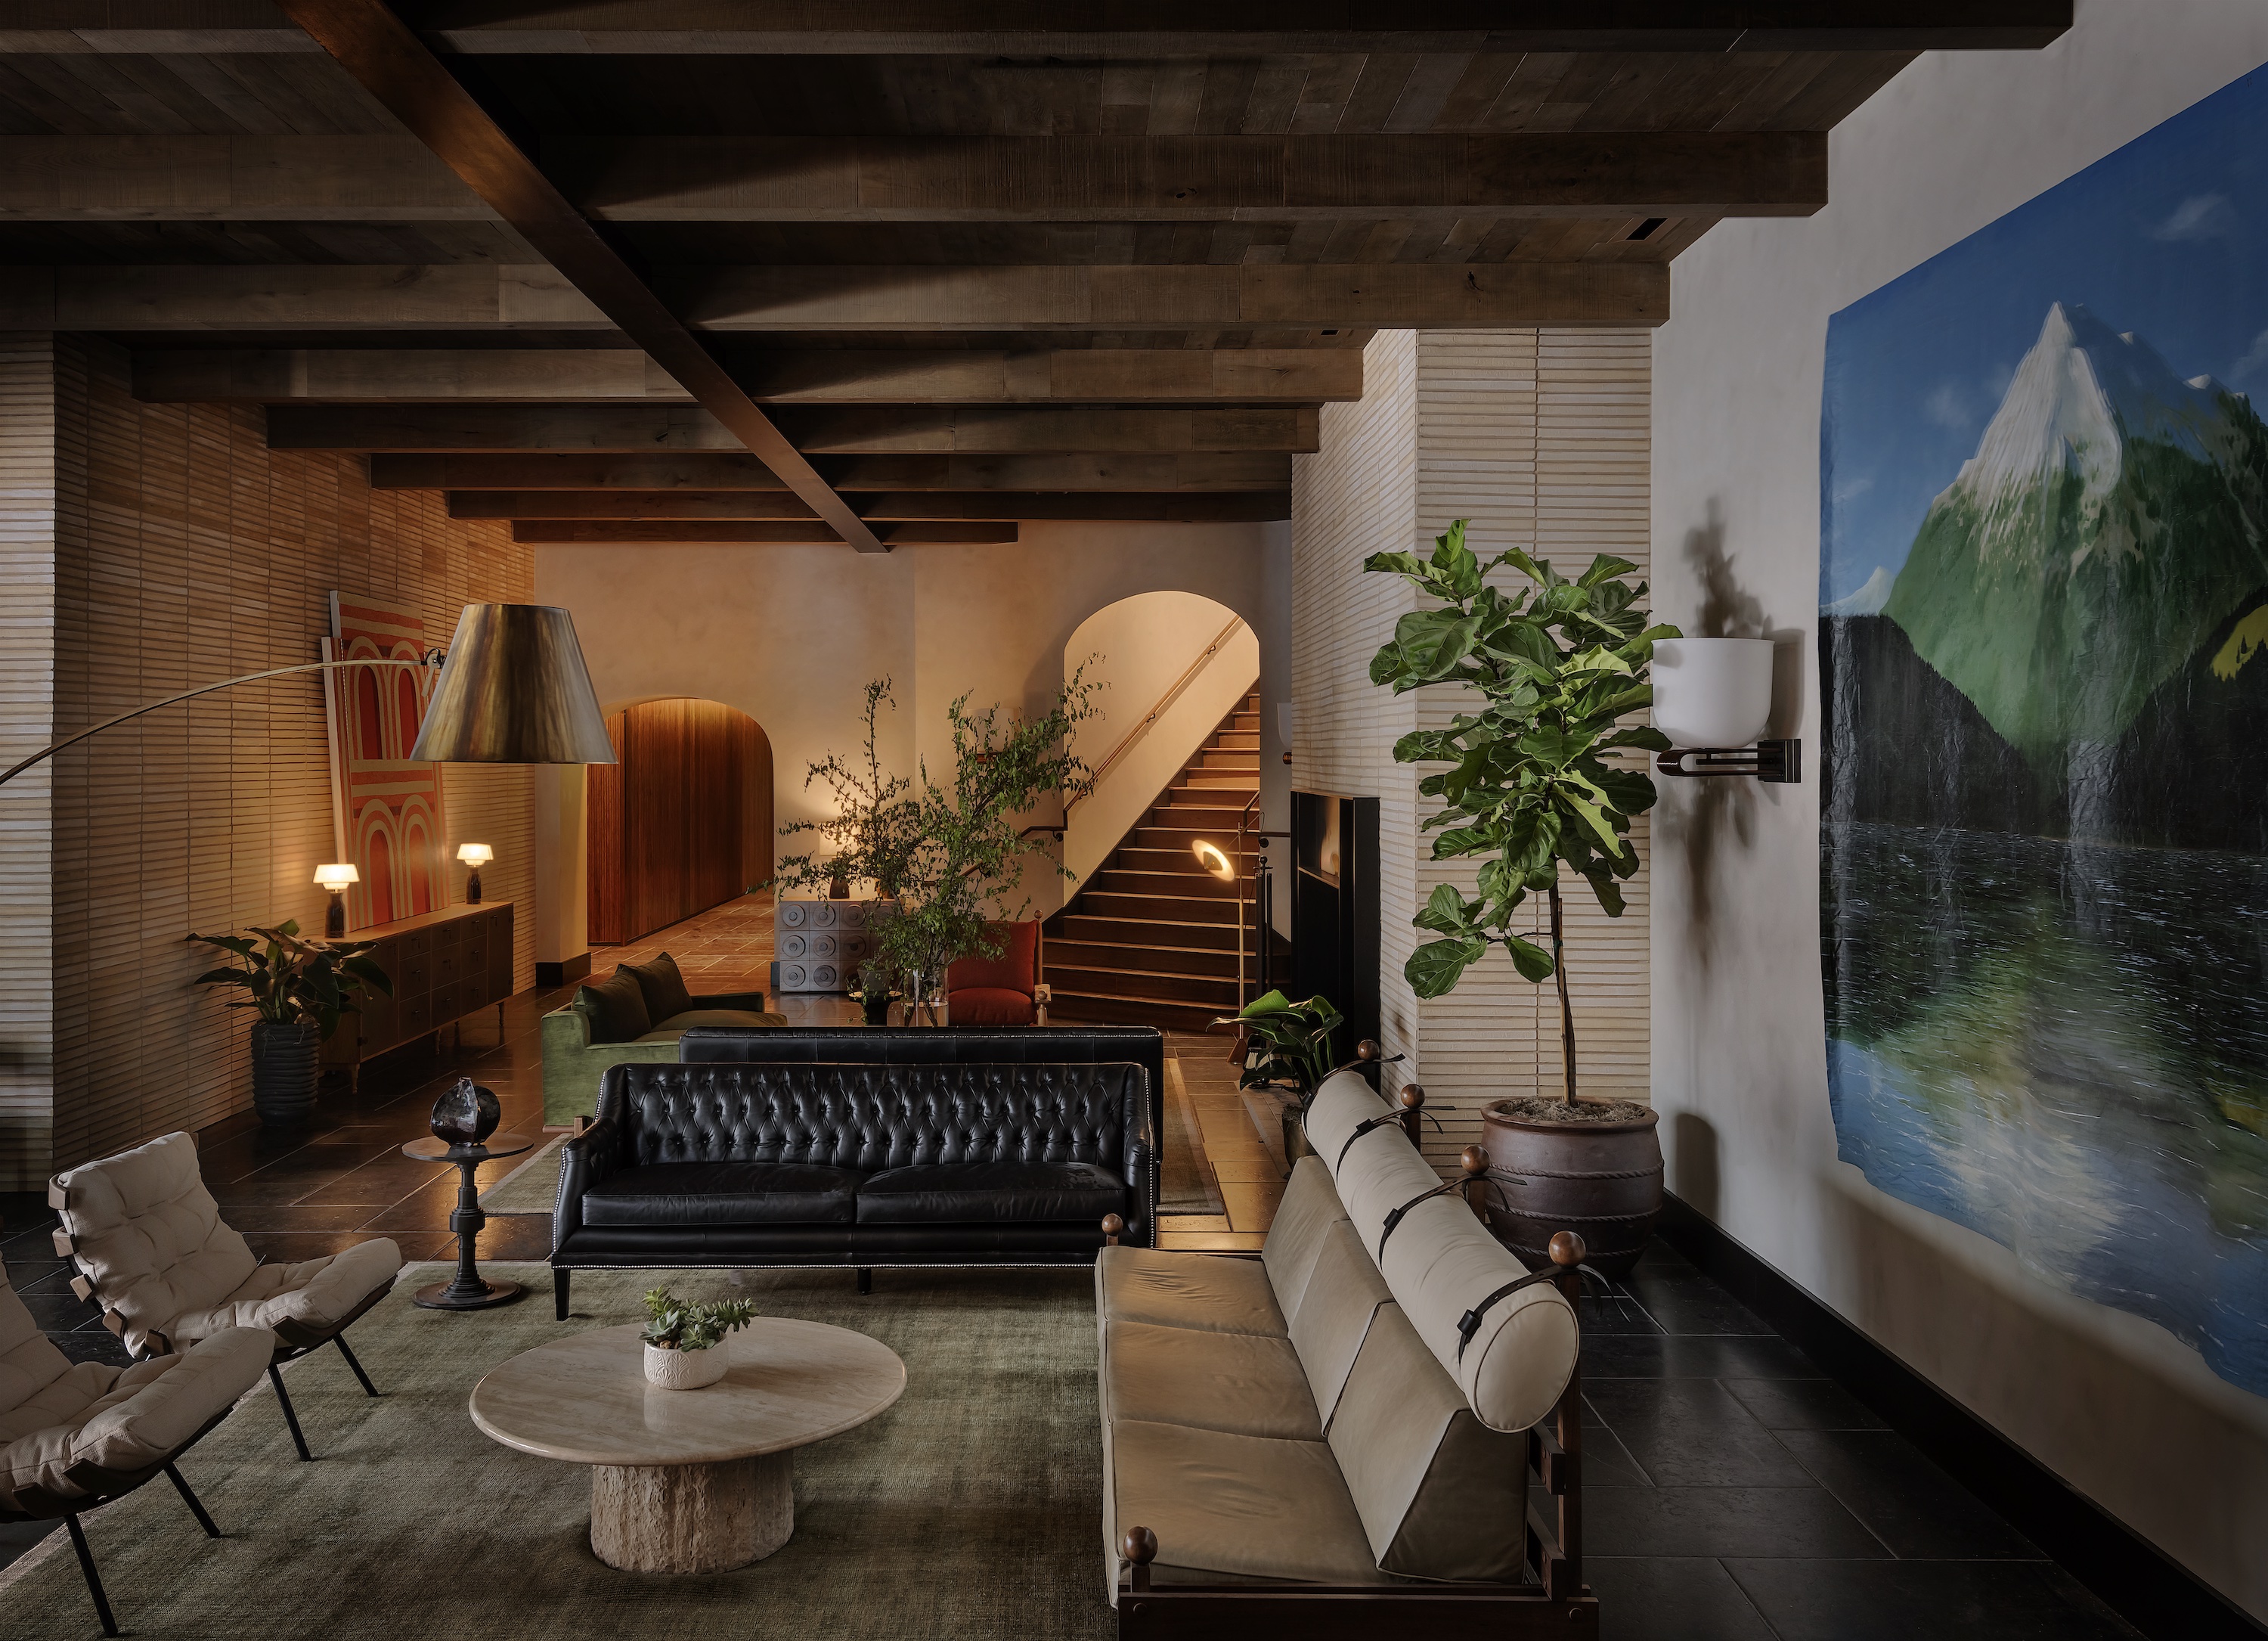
(795, 1161)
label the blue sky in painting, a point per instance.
(2166, 238)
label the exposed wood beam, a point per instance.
(1293, 295)
(818, 376)
(878, 430)
(928, 179)
(491, 297)
(784, 533)
(1232, 506)
(394, 66)
(1039, 28)
(675, 474)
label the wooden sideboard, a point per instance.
(445, 965)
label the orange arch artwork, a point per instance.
(387, 810)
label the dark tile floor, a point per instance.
(1736, 1494)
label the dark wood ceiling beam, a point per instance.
(1343, 296)
(574, 479)
(588, 431)
(1163, 507)
(927, 179)
(1257, 27)
(570, 532)
(394, 66)
(769, 532)
(818, 376)
(1046, 27)
(1191, 179)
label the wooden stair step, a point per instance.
(1130, 931)
(1084, 954)
(1155, 907)
(1208, 991)
(1191, 886)
(1102, 1010)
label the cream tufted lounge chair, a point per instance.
(75, 1437)
(152, 1250)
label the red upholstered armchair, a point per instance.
(1006, 990)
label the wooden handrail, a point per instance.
(1149, 720)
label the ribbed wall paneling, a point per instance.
(187, 552)
(27, 678)
(1541, 439)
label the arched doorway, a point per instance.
(683, 822)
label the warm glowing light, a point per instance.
(337, 876)
(1209, 855)
(475, 854)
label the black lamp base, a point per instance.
(335, 919)
(473, 890)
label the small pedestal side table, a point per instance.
(468, 1289)
(688, 1481)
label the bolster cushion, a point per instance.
(306, 1302)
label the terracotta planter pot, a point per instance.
(284, 1072)
(1602, 1180)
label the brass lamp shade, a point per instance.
(515, 691)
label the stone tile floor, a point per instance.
(1734, 1493)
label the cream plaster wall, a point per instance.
(1140, 648)
(789, 635)
(2127, 1414)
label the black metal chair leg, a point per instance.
(865, 1280)
(94, 1579)
(560, 1276)
(196, 1506)
(284, 1400)
(340, 1340)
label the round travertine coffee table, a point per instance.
(688, 1481)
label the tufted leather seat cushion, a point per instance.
(724, 1194)
(974, 1192)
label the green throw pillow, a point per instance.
(615, 1009)
(663, 986)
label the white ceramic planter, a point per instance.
(687, 1370)
(1712, 692)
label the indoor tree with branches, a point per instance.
(876, 826)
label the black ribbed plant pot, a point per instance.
(284, 1072)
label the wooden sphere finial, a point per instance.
(1140, 1546)
(1567, 1249)
(1367, 1049)
(1413, 1096)
(1474, 1161)
(1113, 1224)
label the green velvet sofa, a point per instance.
(582, 1039)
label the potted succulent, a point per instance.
(302, 989)
(875, 992)
(1288, 1046)
(1528, 789)
(682, 1339)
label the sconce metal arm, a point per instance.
(432, 658)
(1780, 761)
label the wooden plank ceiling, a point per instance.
(969, 262)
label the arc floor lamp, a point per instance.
(513, 690)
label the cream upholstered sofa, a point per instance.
(76, 1436)
(152, 1250)
(1333, 1427)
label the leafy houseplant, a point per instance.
(1528, 790)
(680, 1338)
(875, 829)
(968, 846)
(1288, 1046)
(875, 992)
(302, 989)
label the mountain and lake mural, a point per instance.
(2043, 643)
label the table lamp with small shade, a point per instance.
(336, 877)
(474, 856)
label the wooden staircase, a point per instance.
(1152, 937)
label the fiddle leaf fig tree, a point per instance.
(1527, 788)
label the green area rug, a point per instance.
(531, 1188)
(971, 1508)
